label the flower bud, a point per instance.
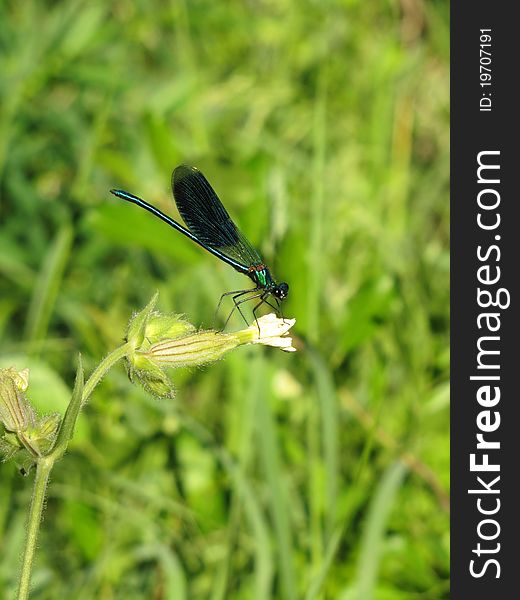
(43, 434)
(150, 376)
(16, 414)
(169, 341)
(25, 434)
(161, 326)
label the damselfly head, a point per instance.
(281, 291)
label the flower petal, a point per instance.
(273, 332)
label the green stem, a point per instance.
(99, 372)
(45, 464)
(43, 469)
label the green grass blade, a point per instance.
(263, 569)
(316, 254)
(374, 532)
(329, 426)
(270, 457)
(47, 285)
(317, 584)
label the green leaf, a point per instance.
(69, 420)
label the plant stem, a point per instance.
(44, 465)
(43, 469)
(100, 371)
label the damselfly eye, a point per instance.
(281, 290)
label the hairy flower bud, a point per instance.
(168, 341)
(16, 414)
(25, 434)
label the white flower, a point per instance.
(273, 332)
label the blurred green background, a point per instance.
(323, 126)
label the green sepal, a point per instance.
(136, 331)
(150, 376)
(161, 326)
(40, 438)
(9, 446)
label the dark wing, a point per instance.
(206, 217)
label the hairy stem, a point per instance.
(44, 464)
(43, 469)
(99, 372)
